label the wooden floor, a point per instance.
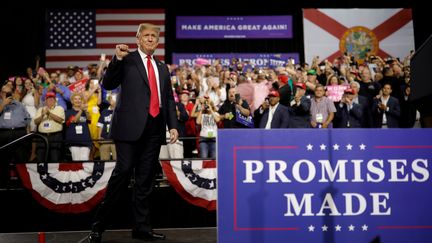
(184, 235)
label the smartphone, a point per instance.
(103, 57)
(95, 81)
(237, 98)
(292, 61)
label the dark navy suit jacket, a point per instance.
(280, 117)
(392, 114)
(132, 110)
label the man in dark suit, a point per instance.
(300, 108)
(348, 114)
(271, 114)
(386, 109)
(145, 106)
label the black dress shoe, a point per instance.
(147, 235)
(94, 237)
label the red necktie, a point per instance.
(154, 96)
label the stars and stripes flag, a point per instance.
(328, 33)
(79, 37)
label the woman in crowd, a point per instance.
(77, 129)
(31, 102)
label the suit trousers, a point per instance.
(140, 157)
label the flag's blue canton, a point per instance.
(71, 29)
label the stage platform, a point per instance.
(174, 235)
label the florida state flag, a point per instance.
(328, 33)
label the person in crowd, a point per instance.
(49, 120)
(286, 89)
(395, 83)
(300, 108)
(271, 114)
(408, 116)
(145, 107)
(386, 109)
(235, 112)
(348, 113)
(215, 92)
(93, 98)
(62, 92)
(368, 88)
(311, 81)
(31, 101)
(364, 103)
(19, 90)
(14, 120)
(78, 137)
(189, 143)
(322, 109)
(208, 118)
(107, 147)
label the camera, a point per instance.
(8, 94)
(206, 106)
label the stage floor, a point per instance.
(184, 235)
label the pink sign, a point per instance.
(335, 92)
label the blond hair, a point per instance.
(146, 26)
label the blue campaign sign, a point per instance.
(324, 185)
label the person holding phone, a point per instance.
(232, 108)
(14, 120)
(145, 106)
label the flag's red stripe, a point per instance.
(112, 45)
(131, 45)
(70, 166)
(129, 22)
(209, 164)
(121, 34)
(130, 11)
(392, 24)
(80, 58)
(325, 22)
(333, 56)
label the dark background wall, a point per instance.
(23, 24)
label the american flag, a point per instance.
(79, 37)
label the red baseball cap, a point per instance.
(274, 93)
(185, 91)
(283, 78)
(350, 91)
(50, 94)
(301, 85)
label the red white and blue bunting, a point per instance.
(67, 187)
(194, 180)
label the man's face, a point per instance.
(231, 95)
(50, 101)
(354, 87)
(386, 90)
(148, 41)
(319, 92)
(273, 100)
(366, 76)
(184, 97)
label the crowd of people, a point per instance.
(73, 110)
